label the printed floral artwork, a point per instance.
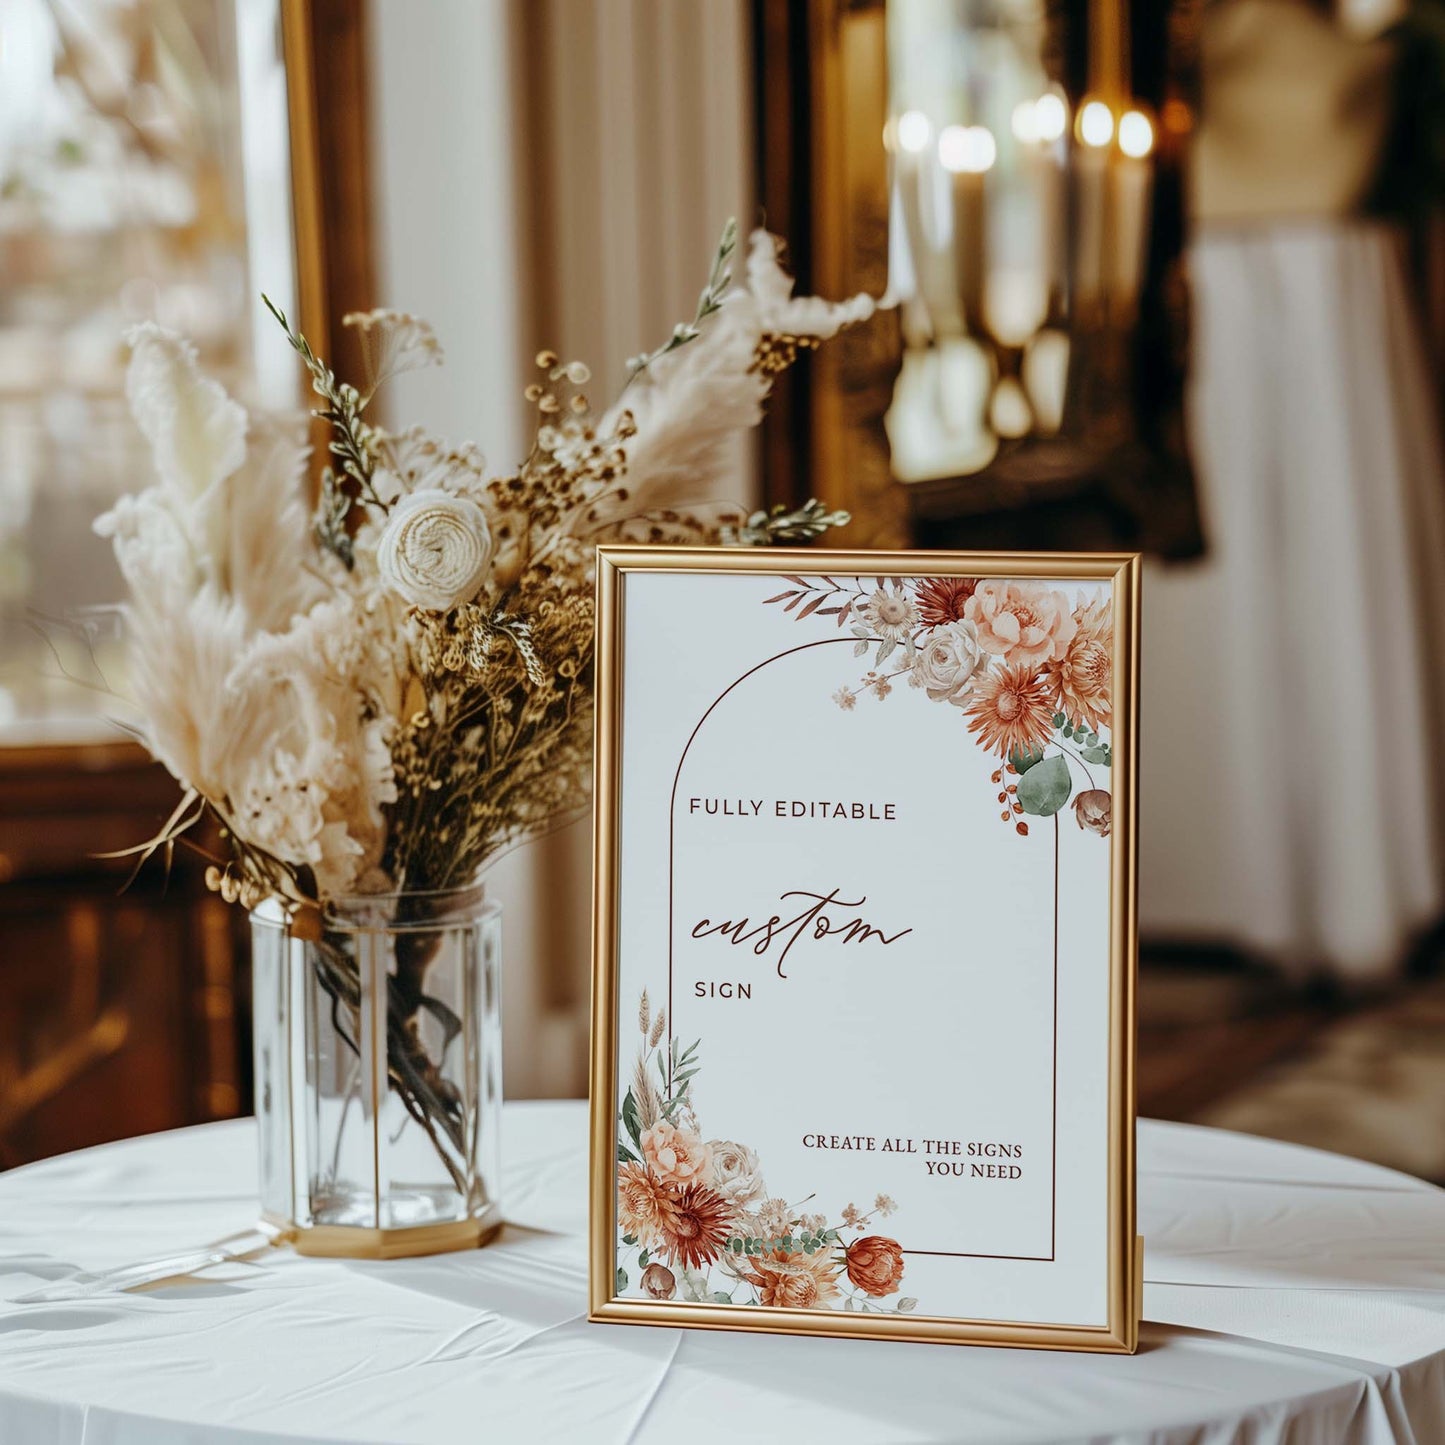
(1028, 666)
(697, 1222)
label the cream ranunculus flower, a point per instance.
(435, 549)
(736, 1173)
(947, 661)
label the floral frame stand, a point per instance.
(865, 942)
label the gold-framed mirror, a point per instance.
(1026, 388)
(160, 161)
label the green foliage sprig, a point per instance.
(784, 524)
(351, 444)
(709, 303)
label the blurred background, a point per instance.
(1168, 276)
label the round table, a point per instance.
(1291, 1296)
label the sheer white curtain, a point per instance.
(550, 173)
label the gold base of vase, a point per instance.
(344, 1241)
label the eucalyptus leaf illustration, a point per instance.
(1045, 788)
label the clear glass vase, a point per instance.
(379, 1072)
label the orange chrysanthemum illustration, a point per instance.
(1011, 711)
(695, 1225)
(941, 600)
(794, 1280)
(1082, 679)
(642, 1203)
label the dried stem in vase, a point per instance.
(380, 693)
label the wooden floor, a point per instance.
(1224, 1044)
(1208, 1026)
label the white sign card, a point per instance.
(865, 937)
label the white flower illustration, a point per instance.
(947, 661)
(889, 615)
(736, 1173)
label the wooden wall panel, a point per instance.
(118, 1006)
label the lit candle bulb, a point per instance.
(915, 176)
(1094, 129)
(1051, 117)
(1045, 163)
(1096, 124)
(967, 153)
(1132, 182)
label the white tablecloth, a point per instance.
(1292, 1296)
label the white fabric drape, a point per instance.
(1289, 777)
(1291, 1298)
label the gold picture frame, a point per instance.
(1122, 1251)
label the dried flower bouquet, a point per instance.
(375, 695)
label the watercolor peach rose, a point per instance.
(676, 1156)
(1024, 623)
